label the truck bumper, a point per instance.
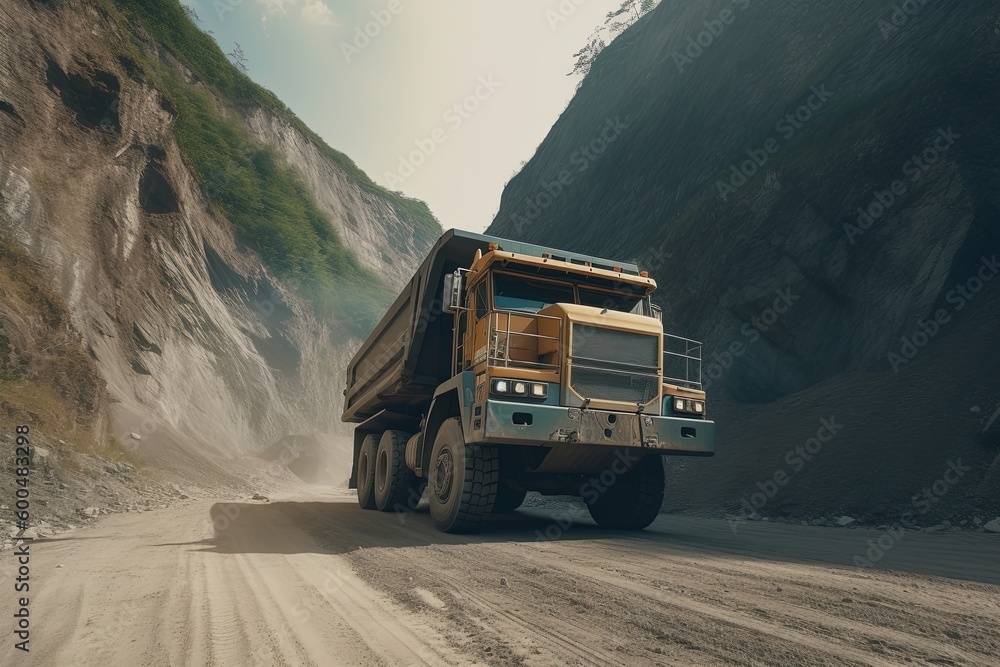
(532, 424)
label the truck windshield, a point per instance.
(626, 303)
(529, 295)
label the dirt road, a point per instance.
(311, 579)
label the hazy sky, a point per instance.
(379, 99)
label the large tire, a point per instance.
(366, 471)
(508, 498)
(395, 484)
(633, 500)
(462, 480)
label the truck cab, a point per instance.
(560, 379)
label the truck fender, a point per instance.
(454, 398)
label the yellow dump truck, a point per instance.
(506, 367)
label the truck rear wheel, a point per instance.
(366, 471)
(395, 484)
(633, 500)
(462, 480)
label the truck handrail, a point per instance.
(494, 356)
(688, 360)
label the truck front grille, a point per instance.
(612, 365)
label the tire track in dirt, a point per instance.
(839, 607)
(648, 599)
(314, 580)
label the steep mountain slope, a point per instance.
(814, 187)
(215, 261)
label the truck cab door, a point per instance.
(477, 343)
(461, 340)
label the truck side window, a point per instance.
(482, 306)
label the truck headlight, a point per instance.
(689, 406)
(505, 387)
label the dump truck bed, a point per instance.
(409, 353)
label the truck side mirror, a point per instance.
(451, 299)
(658, 312)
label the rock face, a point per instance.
(814, 186)
(204, 351)
(735, 174)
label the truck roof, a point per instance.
(408, 354)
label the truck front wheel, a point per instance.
(633, 500)
(462, 480)
(395, 484)
(366, 471)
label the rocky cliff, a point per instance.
(814, 187)
(211, 343)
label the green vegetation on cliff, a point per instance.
(267, 201)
